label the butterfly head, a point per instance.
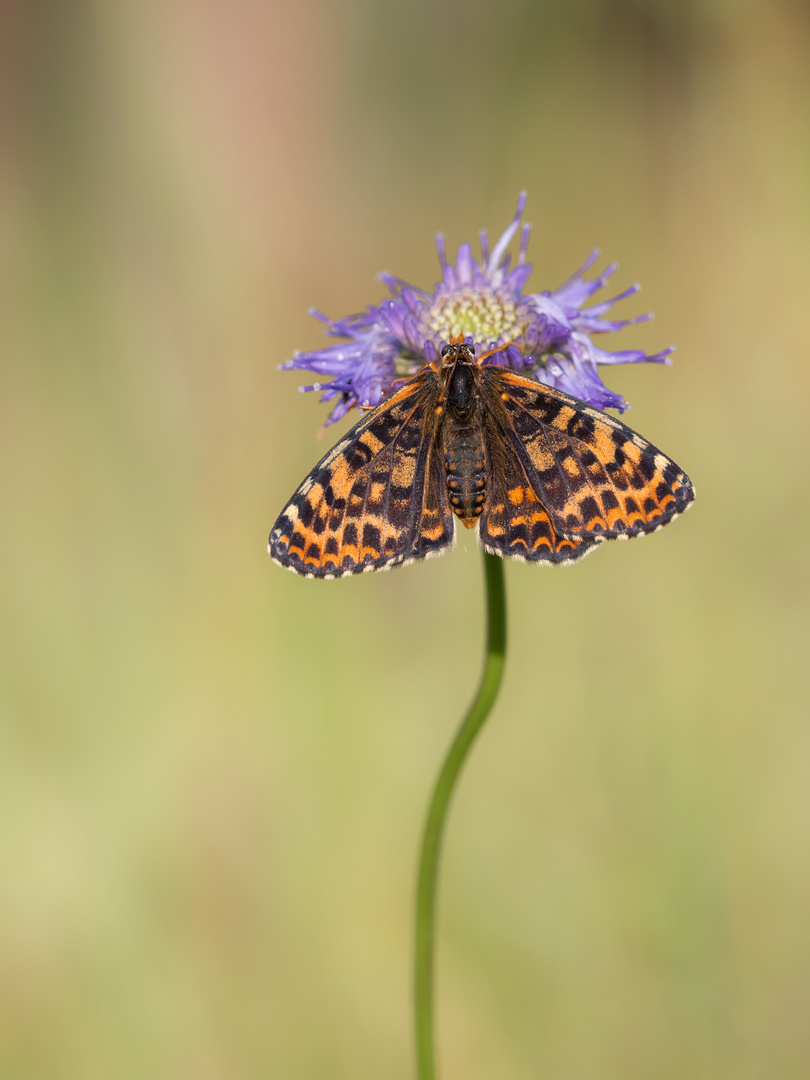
(457, 350)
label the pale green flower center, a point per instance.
(484, 316)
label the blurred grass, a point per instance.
(213, 774)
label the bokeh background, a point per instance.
(212, 773)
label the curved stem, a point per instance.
(472, 723)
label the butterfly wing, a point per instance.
(595, 478)
(514, 523)
(377, 499)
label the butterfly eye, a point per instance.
(447, 350)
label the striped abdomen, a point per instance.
(466, 479)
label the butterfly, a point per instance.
(545, 477)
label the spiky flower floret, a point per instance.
(546, 335)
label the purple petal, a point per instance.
(574, 292)
(515, 358)
(594, 255)
(627, 356)
(441, 250)
(431, 352)
(601, 326)
(464, 264)
(505, 238)
(518, 278)
(414, 302)
(551, 324)
(483, 237)
(580, 383)
(525, 232)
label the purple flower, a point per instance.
(546, 335)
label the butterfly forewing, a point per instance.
(596, 478)
(377, 499)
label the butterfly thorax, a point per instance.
(463, 438)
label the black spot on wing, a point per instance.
(646, 465)
(371, 536)
(358, 455)
(590, 508)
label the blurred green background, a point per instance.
(213, 773)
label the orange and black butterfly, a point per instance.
(545, 477)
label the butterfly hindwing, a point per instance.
(514, 523)
(377, 499)
(596, 478)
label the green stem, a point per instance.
(472, 723)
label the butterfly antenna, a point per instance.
(407, 378)
(492, 352)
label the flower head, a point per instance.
(546, 335)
